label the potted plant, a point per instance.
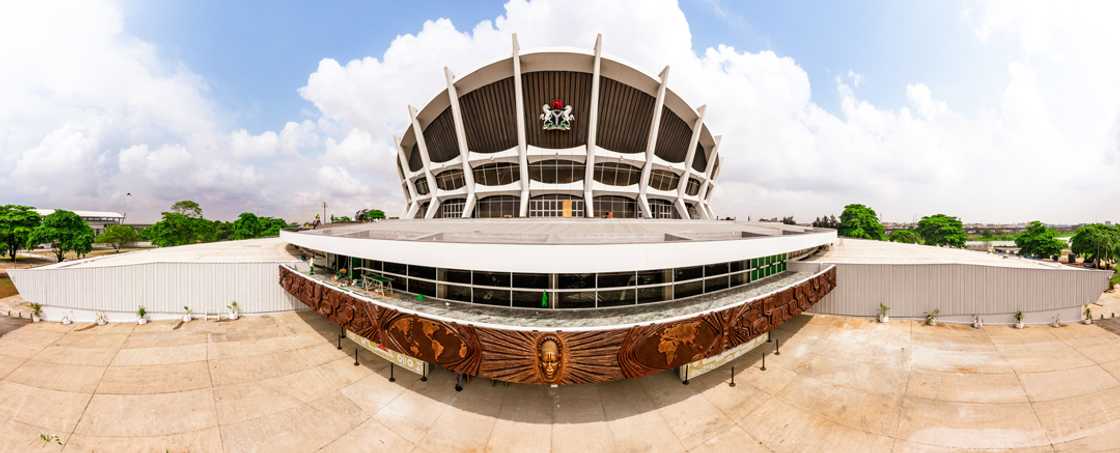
(931, 317)
(977, 322)
(1019, 319)
(341, 276)
(234, 310)
(884, 317)
(66, 320)
(186, 314)
(1088, 316)
(99, 318)
(1057, 321)
(36, 311)
(141, 312)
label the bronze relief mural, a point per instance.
(558, 357)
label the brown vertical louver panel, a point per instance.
(700, 161)
(440, 138)
(415, 162)
(490, 117)
(673, 137)
(574, 88)
(624, 117)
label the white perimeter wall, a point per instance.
(960, 291)
(162, 288)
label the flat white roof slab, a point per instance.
(862, 251)
(246, 251)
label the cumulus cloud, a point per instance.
(1045, 146)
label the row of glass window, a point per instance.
(556, 205)
(590, 290)
(558, 172)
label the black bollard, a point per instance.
(732, 384)
(424, 377)
(340, 335)
(355, 356)
(685, 382)
(392, 378)
(769, 337)
(763, 361)
(458, 382)
(777, 346)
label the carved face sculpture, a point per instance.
(549, 358)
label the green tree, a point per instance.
(860, 222)
(369, 215)
(1039, 241)
(905, 236)
(188, 208)
(16, 224)
(178, 229)
(1096, 242)
(271, 226)
(65, 232)
(118, 236)
(247, 226)
(940, 229)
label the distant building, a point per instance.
(97, 220)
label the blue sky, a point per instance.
(256, 54)
(991, 111)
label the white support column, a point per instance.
(697, 128)
(410, 197)
(704, 207)
(592, 131)
(418, 133)
(522, 148)
(461, 135)
(651, 143)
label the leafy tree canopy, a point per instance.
(249, 226)
(860, 222)
(117, 236)
(178, 229)
(827, 222)
(905, 236)
(940, 229)
(16, 224)
(188, 208)
(1097, 242)
(1039, 241)
(369, 215)
(65, 232)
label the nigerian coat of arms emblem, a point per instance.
(557, 116)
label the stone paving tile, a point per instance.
(964, 425)
(206, 440)
(144, 379)
(69, 355)
(53, 376)
(148, 415)
(52, 410)
(160, 356)
(1055, 385)
(966, 388)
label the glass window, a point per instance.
(693, 187)
(455, 275)
(422, 272)
(693, 211)
(715, 284)
(498, 207)
(456, 292)
(530, 280)
(687, 273)
(492, 296)
(736, 266)
(451, 209)
(492, 278)
(664, 180)
(396, 268)
(422, 287)
(687, 289)
(450, 179)
(580, 299)
(654, 277)
(616, 207)
(420, 213)
(421, 186)
(617, 279)
(617, 174)
(737, 279)
(575, 281)
(556, 205)
(715, 269)
(532, 299)
(616, 298)
(497, 174)
(662, 209)
(656, 294)
(556, 171)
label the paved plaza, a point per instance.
(278, 383)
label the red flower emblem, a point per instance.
(557, 103)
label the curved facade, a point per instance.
(609, 139)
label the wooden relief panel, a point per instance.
(558, 357)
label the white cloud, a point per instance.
(1045, 146)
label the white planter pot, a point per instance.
(1086, 321)
(141, 321)
(186, 318)
(1019, 325)
(233, 315)
(884, 319)
(66, 321)
(34, 317)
